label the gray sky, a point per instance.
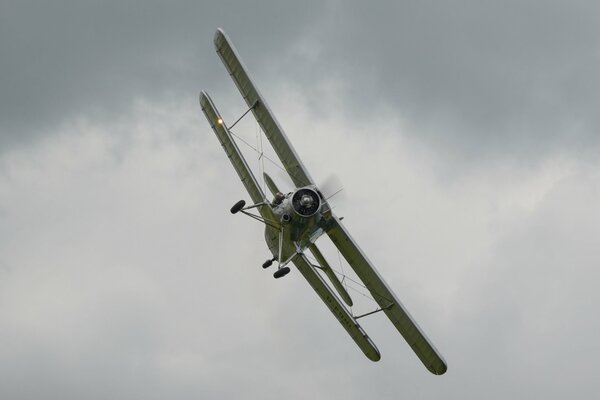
(466, 136)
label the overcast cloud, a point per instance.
(466, 135)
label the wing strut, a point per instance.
(243, 115)
(375, 311)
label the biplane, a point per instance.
(293, 222)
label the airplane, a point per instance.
(294, 221)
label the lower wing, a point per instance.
(336, 307)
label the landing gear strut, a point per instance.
(240, 206)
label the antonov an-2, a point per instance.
(295, 220)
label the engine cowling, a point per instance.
(306, 202)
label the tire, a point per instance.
(238, 206)
(280, 273)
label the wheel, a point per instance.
(281, 272)
(267, 263)
(238, 206)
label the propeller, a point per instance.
(331, 186)
(306, 201)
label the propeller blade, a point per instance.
(331, 186)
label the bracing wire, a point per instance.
(346, 279)
(275, 163)
(260, 154)
(261, 158)
(342, 268)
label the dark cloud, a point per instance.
(66, 58)
(470, 78)
(473, 77)
(122, 274)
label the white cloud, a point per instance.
(122, 273)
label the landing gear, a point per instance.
(281, 272)
(238, 206)
(268, 263)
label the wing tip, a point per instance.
(348, 300)
(220, 36)
(371, 351)
(438, 370)
(203, 98)
(374, 357)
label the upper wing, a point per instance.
(233, 152)
(386, 299)
(290, 160)
(336, 307)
